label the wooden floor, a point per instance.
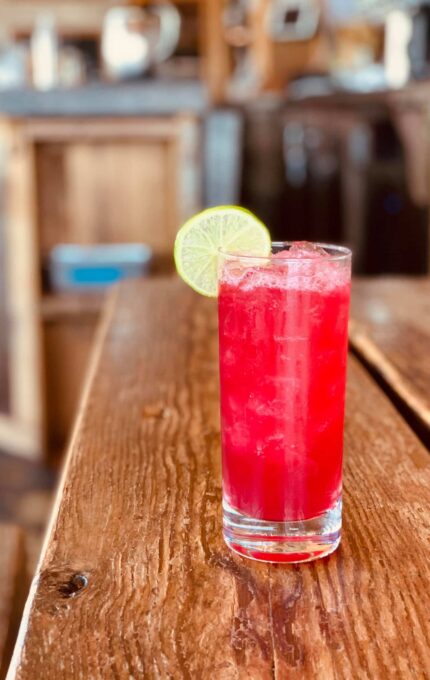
(25, 499)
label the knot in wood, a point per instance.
(73, 586)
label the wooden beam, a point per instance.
(214, 49)
(23, 288)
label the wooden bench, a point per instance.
(136, 582)
(13, 590)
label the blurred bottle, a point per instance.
(13, 63)
(45, 53)
(71, 69)
(398, 35)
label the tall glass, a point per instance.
(283, 331)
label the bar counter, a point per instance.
(135, 580)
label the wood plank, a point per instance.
(56, 306)
(391, 331)
(135, 580)
(26, 494)
(67, 348)
(18, 439)
(23, 284)
(216, 67)
(78, 129)
(13, 589)
(99, 181)
(4, 325)
(74, 18)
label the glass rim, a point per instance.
(335, 253)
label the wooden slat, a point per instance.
(84, 196)
(73, 304)
(67, 130)
(214, 49)
(73, 18)
(4, 337)
(22, 282)
(391, 331)
(18, 439)
(12, 589)
(67, 347)
(135, 580)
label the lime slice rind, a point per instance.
(198, 242)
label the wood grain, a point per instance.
(13, 589)
(80, 180)
(135, 581)
(115, 180)
(73, 19)
(26, 494)
(22, 280)
(4, 337)
(216, 69)
(391, 331)
(67, 348)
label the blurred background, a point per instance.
(118, 120)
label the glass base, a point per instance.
(290, 542)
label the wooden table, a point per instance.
(390, 331)
(135, 580)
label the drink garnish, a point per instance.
(197, 244)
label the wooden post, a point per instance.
(22, 430)
(214, 49)
(262, 47)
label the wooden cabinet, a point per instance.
(79, 181)
(113, 181)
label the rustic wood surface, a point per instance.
(390, 329)
(135, 580)
(13, 586)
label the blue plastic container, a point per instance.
(89, 268)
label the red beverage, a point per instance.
(283, 349)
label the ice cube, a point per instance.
(306, 250)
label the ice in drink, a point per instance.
(283, 349)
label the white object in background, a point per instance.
(170, 30)
(125, 51)
(13, 64)
(45, 53)
(398, 33)
(131, 43)
(71, 68)
(291, 20)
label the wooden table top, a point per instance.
(135, 580)
(390, 330)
